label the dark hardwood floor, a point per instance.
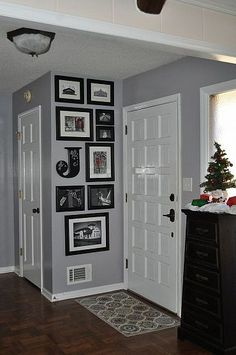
(31, 325)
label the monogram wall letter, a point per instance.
(73, 167)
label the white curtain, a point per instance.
(222, 127)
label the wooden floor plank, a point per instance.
(31, 325)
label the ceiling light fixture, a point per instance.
(151, 6)
(30, 41)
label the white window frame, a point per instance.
(205, 93)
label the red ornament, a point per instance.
(204, 197)
(231, 201)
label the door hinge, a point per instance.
(21, 251)
(126, 129)
(19, 194)
(126, 197)
(126, 263)
(18, 136)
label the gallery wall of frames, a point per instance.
(88, 134)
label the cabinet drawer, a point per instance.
(202, 254)
(205, 231)
(202, 325)
(203, 300)
(202, 277)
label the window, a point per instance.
(218, 124)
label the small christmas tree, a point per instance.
(219, 177)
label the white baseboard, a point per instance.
(5, 270)
(47, 294)
(17, 271)
(82, 293)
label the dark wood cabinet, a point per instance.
(209, 283)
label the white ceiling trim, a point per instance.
(187, 46)
(216, 5)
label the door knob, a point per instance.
(170, 215)
(35, 210)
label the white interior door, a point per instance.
(30, 166)
(152, 183)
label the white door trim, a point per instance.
(189, 46)
(205, 93)
(39, 110)
(173, 98)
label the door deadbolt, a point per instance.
(172, 197)
(35, 210)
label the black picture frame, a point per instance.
(70, 198)
(105, 134)
(86, 233)
(74, 124)
(100, 92)
(104, 117)
(100, 196)
(69, 89)
(99, 159)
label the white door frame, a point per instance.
(164, 100)
(205, 93)
(39, 110)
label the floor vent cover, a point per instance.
(79, 273)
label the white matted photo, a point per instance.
(69, 89)
(100, 92)
(99, 162)
(86, 233)
(74, 124)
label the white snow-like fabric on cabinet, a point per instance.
(232, 209)
(213, 208)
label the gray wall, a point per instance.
(41, 95)
(6, 184)
(186, 77)
(107, 265)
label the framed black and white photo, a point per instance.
(74, 124)
(104, 117)
(100, 196)
(69, 89)
(99, 162)
(104, 133)
(100, 92)
(86, 233)
(69, 198)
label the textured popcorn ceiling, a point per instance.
(76, 52)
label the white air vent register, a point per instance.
(79, 273)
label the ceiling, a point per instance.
(76, 52)
(221, 5)
(84, 53)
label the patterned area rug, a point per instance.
(127, 314)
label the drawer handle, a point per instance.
(202, 278)
(201, 325)
(199, 300)
(202, 254)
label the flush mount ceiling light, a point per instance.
(151, 6)
(30, 41)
